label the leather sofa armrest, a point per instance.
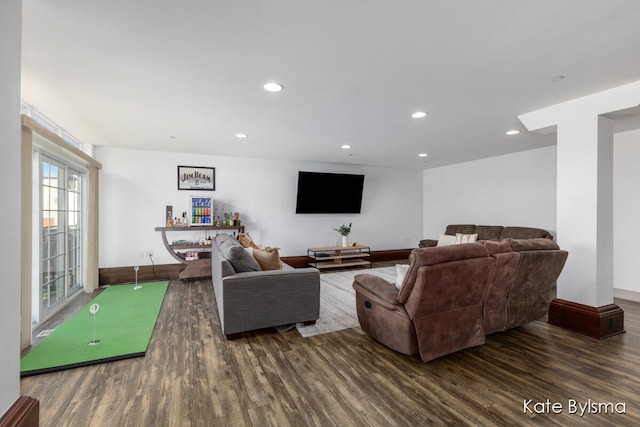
(428, 243)
(377, 289)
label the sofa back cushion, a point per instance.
(220, 267)
(525, 233)
(238, 256)
(489, 232)
(437, 255)
(498, 232)
(443, 295)
(540, 244)
(449, 285)
(541, 262)
(495, 312)
(268, 258)
(453, 229)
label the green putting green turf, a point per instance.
(124, 325)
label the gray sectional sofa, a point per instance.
(249, 298)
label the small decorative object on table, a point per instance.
(344, 232)
(169, 215)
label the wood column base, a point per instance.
(596, 322)
(25, 412)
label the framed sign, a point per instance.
(196, 178)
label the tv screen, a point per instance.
(320, 192)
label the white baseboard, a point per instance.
(626, 294)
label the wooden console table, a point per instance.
(198, 267)
(339, 256)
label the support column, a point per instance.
(585, 208)
(585, 228)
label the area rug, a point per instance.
(124, 324)
(338, 301)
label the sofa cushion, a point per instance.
(489, 232)
(495, 313)
(453, 229)
(233, 251)
(401, 273)
(246, 240)
(525, 233)
(532, 244)
(430, 256)
(466, 238)
(541, 262)
(269, 258)
(427, 243)
(446, 240)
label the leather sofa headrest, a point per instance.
(489, 232)
(436, 255)
(452, 229)
(539, 244)
(525, 233)
(440, 254)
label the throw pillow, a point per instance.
(401, 272)
(233, 251)
(466, 238)
(269, 259)
(446, 240)
(247, 241)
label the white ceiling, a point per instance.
(135, 73)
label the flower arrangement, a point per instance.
(344, 230)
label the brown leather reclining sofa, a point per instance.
(453, 296)
(490, 232)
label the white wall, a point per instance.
(520, 189)
(10, 30)
(135, 187)
(626, 210)
(516, 189)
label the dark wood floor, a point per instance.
(192, 376)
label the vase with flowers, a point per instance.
(344, 231)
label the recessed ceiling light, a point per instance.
(513, 132)
(242, 135)
(273, 87)
(345, 146)
(419, 114)
(422, 155)
(172, 137)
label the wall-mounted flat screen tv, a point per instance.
(321, 192)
